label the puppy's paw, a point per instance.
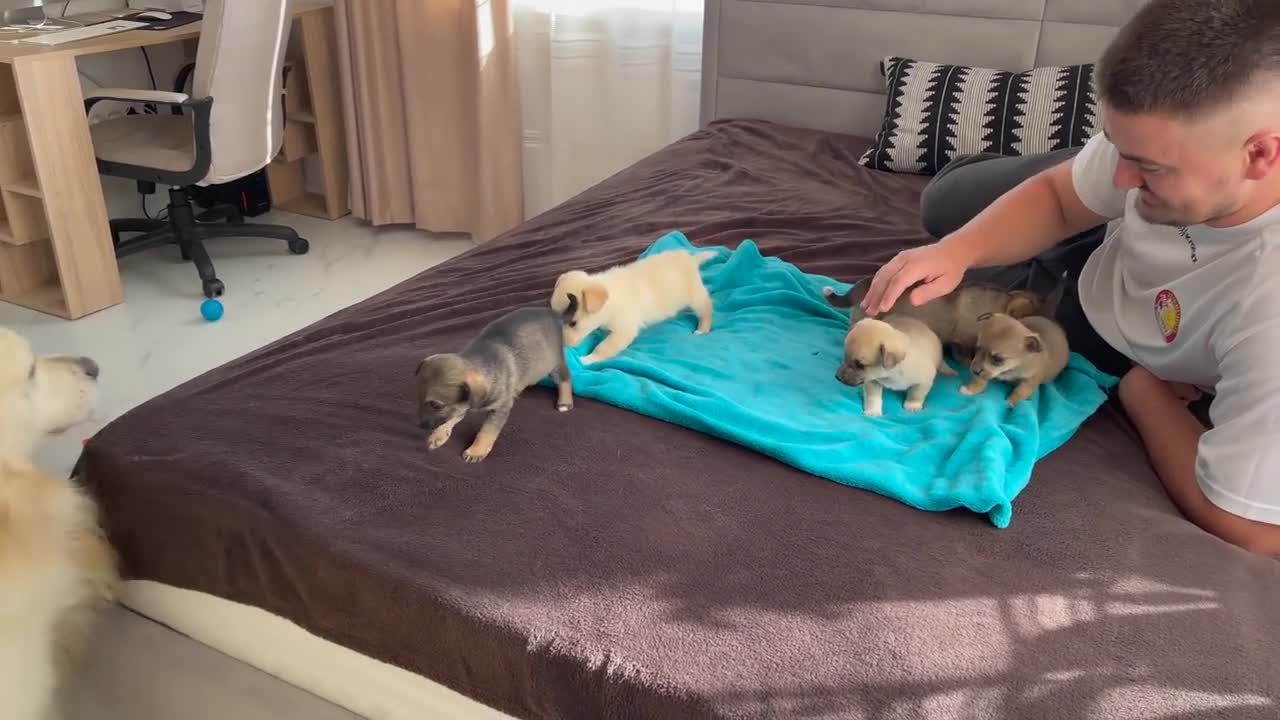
(564, 407)
(438, 438)
(474, 455)
(913, 405)
(872, 412)
(590, 359)
(969, 390)
(700, 331)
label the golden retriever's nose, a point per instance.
(89, 367)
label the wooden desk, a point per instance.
(55, 242)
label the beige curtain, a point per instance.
(432, 111)
(603, 83)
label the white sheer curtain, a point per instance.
(603, 83)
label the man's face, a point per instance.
(1184, 175)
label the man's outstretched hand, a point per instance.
(935, 269)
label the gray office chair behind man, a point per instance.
(230, 126)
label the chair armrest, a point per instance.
(201, 110)
(135, 96)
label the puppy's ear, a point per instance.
(594, 297)
(474, 385)
(889, 359)
(1033, 344)
(984, 317)
(1021, 305)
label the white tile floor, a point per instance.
(139, 670)
(157, 339)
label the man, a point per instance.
(1182, 291)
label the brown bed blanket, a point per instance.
(604, 564)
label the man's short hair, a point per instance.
(1184, 57)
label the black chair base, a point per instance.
(189, 232)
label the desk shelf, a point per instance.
(313, 134)
(56, 254)
(28, 265)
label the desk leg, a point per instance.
(67, 174)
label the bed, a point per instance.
(282, 508)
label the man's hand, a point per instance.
(938, 268)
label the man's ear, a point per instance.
(889, 359)
(1033, 344)
(594, 297)
(1263, 152)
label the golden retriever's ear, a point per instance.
(889, 359)
(594, 297)
(1033, 344)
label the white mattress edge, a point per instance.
(363, 685)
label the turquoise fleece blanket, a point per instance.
(764, 377)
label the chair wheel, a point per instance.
(299, 246)
(213, 288)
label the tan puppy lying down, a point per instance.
(626, 298)
(1028, 352)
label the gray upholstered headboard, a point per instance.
(815, 63)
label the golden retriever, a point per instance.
(56, 568)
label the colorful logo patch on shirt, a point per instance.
(1168, 314)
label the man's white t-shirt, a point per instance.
(1197, 305)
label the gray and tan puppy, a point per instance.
(510, 354)
(1029, 352)
(896, 352)
(952, 317)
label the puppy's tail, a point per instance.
(1054, 298)
(836, 299)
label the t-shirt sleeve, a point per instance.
(1093, 174)
(1238, 460)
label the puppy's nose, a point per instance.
(976, 370)
(89, 367)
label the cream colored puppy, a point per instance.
(626, 298)
(895, 352)
(56, 569)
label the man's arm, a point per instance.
(1172, 434)
(1031, 218)
(1034, 216)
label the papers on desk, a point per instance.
(83, 33)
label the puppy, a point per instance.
(895, 352)
(57, 571)
(626, 298)
(952, 317)
(1028, 352)
(510, 354)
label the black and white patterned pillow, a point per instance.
(937, 112)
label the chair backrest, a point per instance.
(239, 63)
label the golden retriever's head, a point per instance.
(40, 395)
(579, 299)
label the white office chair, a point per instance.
(230, 126)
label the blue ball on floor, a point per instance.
(211, 309)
